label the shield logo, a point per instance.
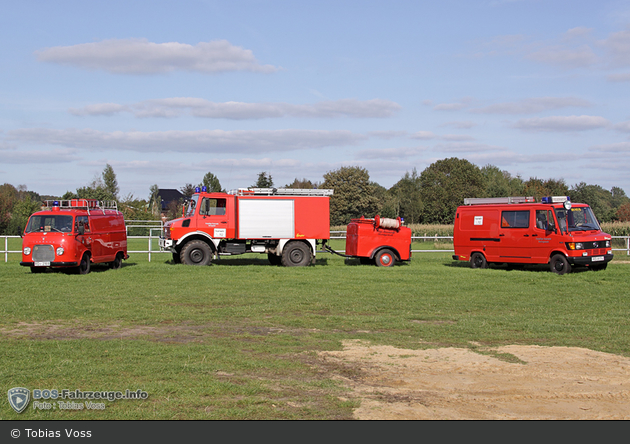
(19, 398)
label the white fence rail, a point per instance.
(333, 235)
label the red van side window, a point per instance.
(515, 219)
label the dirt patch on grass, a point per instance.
(457, 383)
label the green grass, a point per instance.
(238, 339)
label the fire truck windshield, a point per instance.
(192, 204)
(577, 219)
(56, 223)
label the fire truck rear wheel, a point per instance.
(385, 258)
(559, 264)
(296, 254)
(84, 265)
(478, 260)
(196, 252)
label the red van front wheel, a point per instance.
(559, 264)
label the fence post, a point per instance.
(149, 244)
(6, 248)
(628, 246)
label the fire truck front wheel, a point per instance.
(196, 252)
(478, 260)
(559, 264)
(296, 254)
(385, 258)
(84, 265)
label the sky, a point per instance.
(166, 91)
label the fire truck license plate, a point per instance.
(42, 264)
(597, 258)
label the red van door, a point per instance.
(515, 232)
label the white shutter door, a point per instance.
(265, 218)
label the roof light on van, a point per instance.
(555, 199)
(197, 189)
(204, 188)
(56, 203)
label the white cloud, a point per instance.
(139, 56)
(389, 153)
(617, 45)
(580, 57)
(423, 135)
(457, 137)
(618, 148)
(28, 157)
(177, 106)
(465, 124)
(466, 147)
(532, 105)
(387, 135)
(619, 77)
(202, 141)
(624, 127)
(562, 123)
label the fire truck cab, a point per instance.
(284, 223)
(518, 230)
(74, 234)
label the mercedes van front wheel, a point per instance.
(478, 260)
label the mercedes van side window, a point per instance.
(515, 219)
(543, 217)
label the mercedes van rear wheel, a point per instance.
(478, 260)
(559, 264)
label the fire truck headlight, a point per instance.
(27, 251)
(59, 251)
(579, 246)
(607, 244)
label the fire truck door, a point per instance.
(214, 217)
(515, 232)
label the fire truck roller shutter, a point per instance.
(266, 218)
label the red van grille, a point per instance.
(598, 251)
(43, 253)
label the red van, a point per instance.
(74, 234)
(518, 230)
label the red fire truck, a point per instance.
(284, 223)
(74, 234)
(518, 230)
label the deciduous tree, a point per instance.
(354, 194)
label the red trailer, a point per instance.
(383, 241)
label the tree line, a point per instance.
(430, 197)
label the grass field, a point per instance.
(239, 339)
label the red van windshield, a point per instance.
(45, 223)
(577, 219)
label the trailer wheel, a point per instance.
(296, 254)
(559, 264)
(116, 263)
(478, 260)
(385, 258)
(84, 265)
(196, 252)
(274, 259)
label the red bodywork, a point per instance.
(366, 237)
(55, 230)
(484, 229)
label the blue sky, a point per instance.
(165, 91)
